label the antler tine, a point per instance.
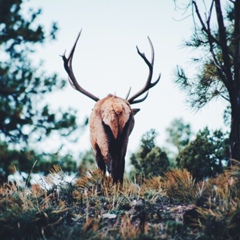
(128, 93)
(148, 83)
(67, 62)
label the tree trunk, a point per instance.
(235, 88)
(235, 132)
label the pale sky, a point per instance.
(106, 60)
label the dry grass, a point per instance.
(169, 207)
(180, 185)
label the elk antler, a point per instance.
(148, 84)
(68, 67)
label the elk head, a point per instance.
(112, 119)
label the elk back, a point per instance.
(111, 123)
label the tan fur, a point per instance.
(112, 119)
(114, 112)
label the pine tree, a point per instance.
(24, 117)
(150, 160)
(216, 38)
(206, 155)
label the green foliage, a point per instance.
(205, 156)
(178, 136)
(12, 160)
(179, 133)
(25, 117)
(150, 160)
(22, 84)
(88, 162)
(227, 116)
(216, 71)
(46, 161)
(207, 81)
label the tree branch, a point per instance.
(236, 61)
(222, 42)
(204, 28)
(223, 45)
(210, 38)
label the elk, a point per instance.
(112, 119)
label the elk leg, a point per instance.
(100, 162)
(118, 170)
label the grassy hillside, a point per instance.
(169, 207)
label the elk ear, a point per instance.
(135, 110)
